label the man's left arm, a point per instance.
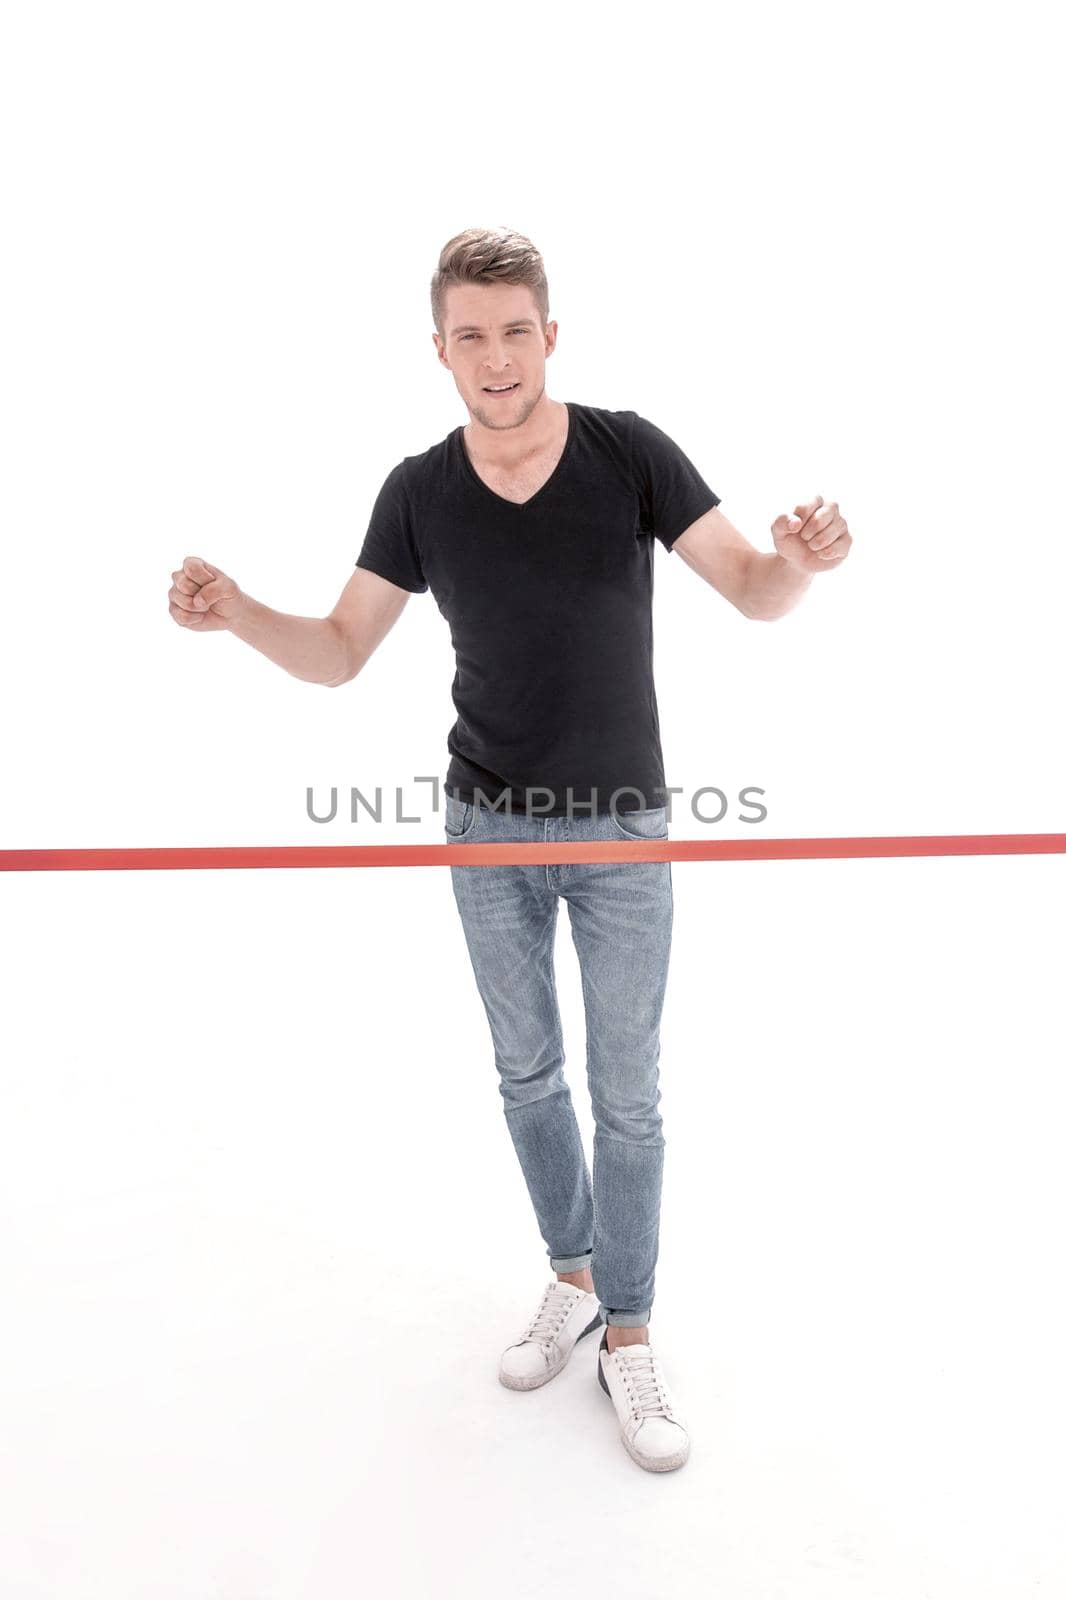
(764, 587)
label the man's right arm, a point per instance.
(364, 614)
(328, 650)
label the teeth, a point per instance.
(499, 388)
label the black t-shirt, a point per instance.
(550, 609)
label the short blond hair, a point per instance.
(488, 255)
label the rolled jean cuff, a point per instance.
(625, 1319)
(570, 1263)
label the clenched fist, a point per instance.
(203, 597)
(814, 537)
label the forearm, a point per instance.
(772, 587)
(310, 648)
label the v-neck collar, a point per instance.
(501, 499)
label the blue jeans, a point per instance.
(621, 919)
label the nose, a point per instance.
(496, 361)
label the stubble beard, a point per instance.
(490, 419)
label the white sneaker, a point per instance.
(652, 1431)
(564, 1316)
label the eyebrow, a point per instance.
(472, 327)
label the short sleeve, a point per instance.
(672, 494)
(390, 547)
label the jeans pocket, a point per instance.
(459, 817)
(648, 824)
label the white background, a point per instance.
(263, 1231)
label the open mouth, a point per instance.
(497, 393)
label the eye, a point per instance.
(464, 336)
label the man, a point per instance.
(534, 526)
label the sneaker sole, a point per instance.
(537, 1382)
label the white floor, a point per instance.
(263, 1237)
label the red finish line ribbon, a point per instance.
(213, 857)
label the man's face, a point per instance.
(493, 336)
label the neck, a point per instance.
(506, 447)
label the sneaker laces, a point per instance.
(550, 1315)
(643, 1380)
